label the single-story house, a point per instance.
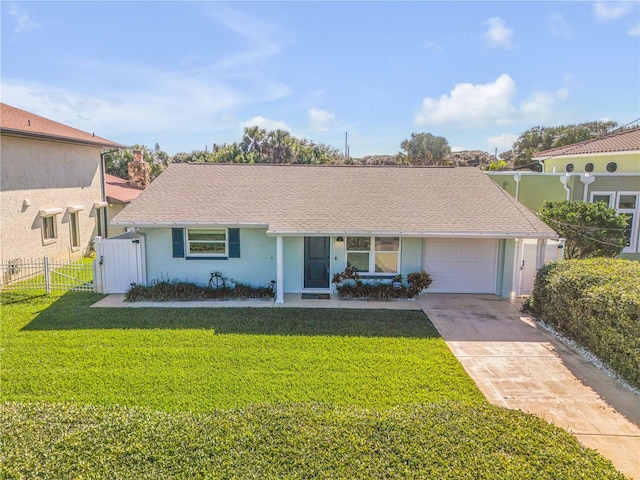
(300, 224)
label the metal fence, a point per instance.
(46, 274)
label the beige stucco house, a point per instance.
(52, 189)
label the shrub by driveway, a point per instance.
(595, 302)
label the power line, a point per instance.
(575, 232)
(571, 225)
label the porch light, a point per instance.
(340, 239)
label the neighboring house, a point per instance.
(606, 169)
(51, 187)
(300, 224)
(120, 193)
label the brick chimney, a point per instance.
(138, 170)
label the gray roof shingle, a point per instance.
(304, 199)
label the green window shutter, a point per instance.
(177, 239)
(234, 243)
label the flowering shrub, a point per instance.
(350, 284)
(173, 290)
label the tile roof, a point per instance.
(23, 123)
(624, 141)
(120, 190)
(304, 199)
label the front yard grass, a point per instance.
(254, 393)
(203, 359)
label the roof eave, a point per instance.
(59, 138)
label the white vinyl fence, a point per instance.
(45, 274)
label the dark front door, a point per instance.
(316, 262)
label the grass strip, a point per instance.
(443, 441)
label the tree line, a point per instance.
(259, 145)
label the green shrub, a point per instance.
(172, 290)
(350, 284)
(595, 302)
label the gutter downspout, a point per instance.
(103, 173)
(517, 177)
(564, 179)
(587, 180)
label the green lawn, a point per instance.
(254, 393)
(202, 359)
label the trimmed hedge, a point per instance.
(595, 302)
(439, 441)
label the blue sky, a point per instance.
(191, 74)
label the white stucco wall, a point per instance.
(48, 175)
(256, 265)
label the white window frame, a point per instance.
(187, 242)
(372, 254)
(633, 241)
(612, 197)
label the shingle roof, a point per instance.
(20, 122)
(624, 141)
(120, 190)
(290, 199)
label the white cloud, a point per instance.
(174, 105)
(558, 25)
(431, 45)
(634, 31)
(259, 36)
(23, 21)
(469, 105)
(502, 142)
(610, 11)
(458, 148)
(498, 34)
(266, 123)
(321, 120)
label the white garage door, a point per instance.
(461, 265)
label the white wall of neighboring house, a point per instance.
(37, 175)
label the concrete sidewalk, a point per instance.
(519, 366)
(291, 300)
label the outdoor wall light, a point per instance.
(340, 239)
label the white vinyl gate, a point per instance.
(120, 263)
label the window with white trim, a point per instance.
(207, 242)
(607, 197)
(628, 205)
(373, 255)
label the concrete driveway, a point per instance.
(517, 365)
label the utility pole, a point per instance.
(346, 147)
